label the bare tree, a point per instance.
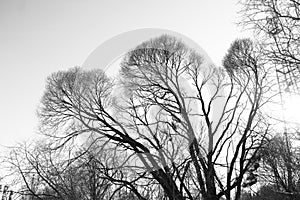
(277, 25)
(158, 117)
(280, 165)
(48, 174)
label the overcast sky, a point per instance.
(38, 37)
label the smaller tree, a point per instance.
(58, 174)
(281, 166)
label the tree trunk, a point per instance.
(167, 184)
(211, 193)
(210, 197)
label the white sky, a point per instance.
(38, 37)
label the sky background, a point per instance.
(38, 37)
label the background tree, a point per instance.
(277, 25)
(265, 192)
(51, 174)
(279, 170)
(280, 165)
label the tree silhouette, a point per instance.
(157, 120)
